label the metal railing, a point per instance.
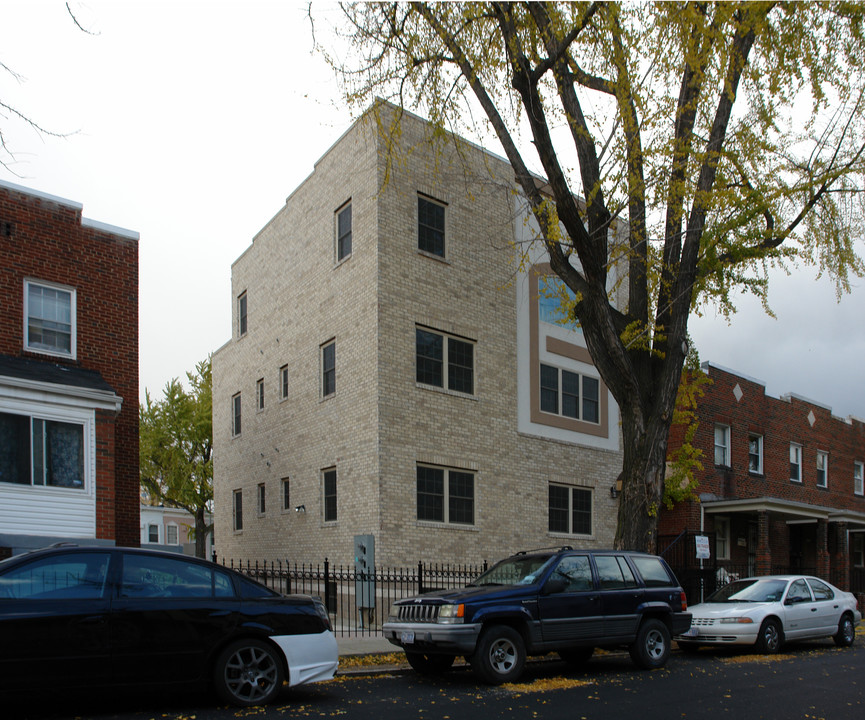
(357, 601)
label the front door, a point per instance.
(573, 611)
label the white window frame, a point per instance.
(172, 528)
(822, 469)
(857, 549)
(755, 454)
(722, 538)
(724, 447)
(259, 394)
(73, 310)
(858, 478)
(796, 461)
(150, 528)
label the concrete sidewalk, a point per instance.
(364, 645)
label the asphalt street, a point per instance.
(808, 681)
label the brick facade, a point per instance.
(381, 424)
(45, 240)
(769, 519)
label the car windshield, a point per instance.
(516, 570)
(756, 591)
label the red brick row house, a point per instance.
(68, 375)
(781, 489)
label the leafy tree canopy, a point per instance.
(729, 138)
(176, 442)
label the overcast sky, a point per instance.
(191, 122)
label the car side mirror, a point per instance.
(555, 585)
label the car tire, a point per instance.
(248, 672)
(577, 656)
(770, 638)
(430, 664)
(846, 631)
(499, 656)
(651, 649)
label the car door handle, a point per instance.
(813, 609)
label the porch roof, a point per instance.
(790, 508)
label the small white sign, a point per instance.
(703, 552)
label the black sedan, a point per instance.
(85, 616)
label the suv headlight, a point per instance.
(451, 614)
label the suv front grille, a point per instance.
(418, 612)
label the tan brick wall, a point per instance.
(380, 424)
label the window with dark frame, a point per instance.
(262, 499)
(328, 369)
(570, 510)
(237, 510)
(445, 495)
(343, 233)
(430, 226)
(431, 349)
(241, 314)
(283, 382)
(235, 415)
(259, 392)
(561, 391)
(286, 494)
(329, 495)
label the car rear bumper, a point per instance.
(432, 637)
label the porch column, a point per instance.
(841, 559)
(823, 549)
(764, 551)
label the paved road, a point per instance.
(808, 681)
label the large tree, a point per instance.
(728, 136)
(176, 443)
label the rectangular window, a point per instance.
(329, 495)
(262, 499)
(153, 533)
(722, 538)
(570, 510)
(562, 390)
(445, 495)
(722, 445)
(822, 469)
(858, 549)
(556, 302)
(259, 394)
(755, 454)
(235, 415)
(431, 349)
(859, 478)
(343, 232)
(283, 382)
(430, 226)
(171, 535)
(49, 319)
(241, 314)
(795, 462)
(237, 510)
(286, 494)
(35, 451)
(328, 369)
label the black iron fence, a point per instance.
(357, 601)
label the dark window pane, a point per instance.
(430, 494)
(235, 403)
(14, 448)
(461, 497)
(591, 402)
(330, 496)
(343, 233)
(431, 227)
(582, 512)
(328, 362)
(241, 313)
(570, 394)
(558, 521)
(238, 510)
(549, 389)
(64, 454)
(148, 576)
(460, 366)
(76, 576)
(429, 358)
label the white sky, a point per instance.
(194, 120)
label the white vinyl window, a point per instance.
(153, 533)
(795, 462)
(722, 445)
(822, 469)
(755, 454)
(722, 538)
(39, 451)
(171, 534)
(858, 478)
(49, 319)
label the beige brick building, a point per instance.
(395, 370)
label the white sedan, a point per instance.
(768, 611)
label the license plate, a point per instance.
(407, 637)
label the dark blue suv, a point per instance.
(532, 603)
